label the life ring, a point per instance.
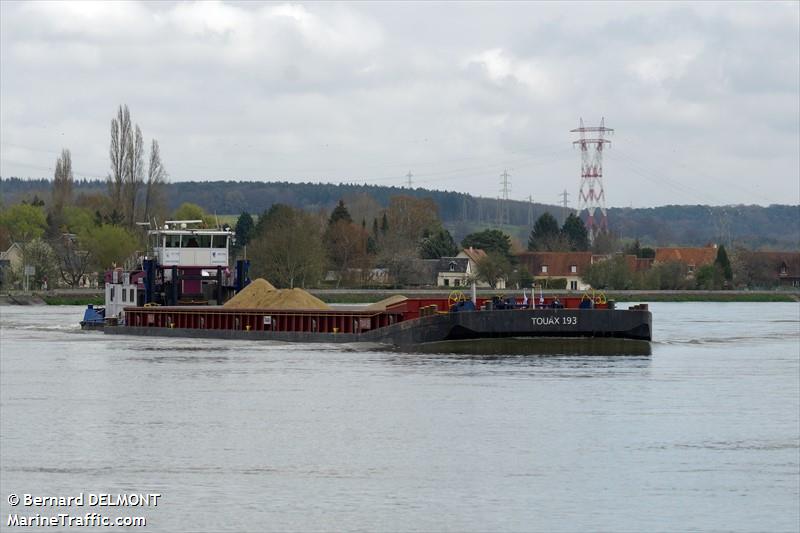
(600, 298)
(456, 297)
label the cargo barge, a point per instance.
(178, 287)
(411, 322)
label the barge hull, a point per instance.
(516, 323)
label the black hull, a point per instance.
(531, 323)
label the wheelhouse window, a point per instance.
(219, 241)
(173, 241)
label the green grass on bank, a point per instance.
(73, 300)
(707, 297)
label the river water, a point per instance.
(703, 434)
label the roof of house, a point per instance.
(474, 254)
(559, 264)
(6, 255)
(460, 264)
(691, 256)
(780, 260)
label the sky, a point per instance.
(704, 98)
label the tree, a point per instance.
(575, 233)
(438, 244)
(38, 254)
(666, 276)
(288, 248)
(409, 217)
(244, 229)
(612, 273)
(340, 212)
(62, 182)
(73, 262)
(545, 236)
(347, 247)
(108, 246)
(134, 174)
(709, 277)
(523, 278)
(490, 241)
(604, 243)
(492, 268)
(156, 179)
(24, 222)
(189, 211)
(121, 134)
(724, 263)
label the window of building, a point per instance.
(573, 285)
(446, 282)
(452, 267)
(124, 295)
(691, 269)
(544, 268)
(783, 270)
(112, 294)
(133, 296)
(457, 282)
(573, 268)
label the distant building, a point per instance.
(459, 271)
(784, 266)
(545, 266)
(10, 261)
(693, 258)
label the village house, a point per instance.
(548, 266)
(693, 258)
(459, 271)
(785, 266)
(10, 261)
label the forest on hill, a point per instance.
(776, 227)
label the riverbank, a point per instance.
(357, 296)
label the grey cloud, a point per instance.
(454, 92)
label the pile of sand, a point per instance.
(261, 294)
(386, 302)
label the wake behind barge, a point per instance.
(408, 323)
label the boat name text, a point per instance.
(555, 320)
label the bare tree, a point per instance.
(156, 177)
(73, 263)
(134, 174)
(118, 152)
(62, 181)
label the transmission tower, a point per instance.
(504, 215)
(564, 205)
(530, 210)
(408, 177)
(592, 196)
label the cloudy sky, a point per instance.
(704, 97)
